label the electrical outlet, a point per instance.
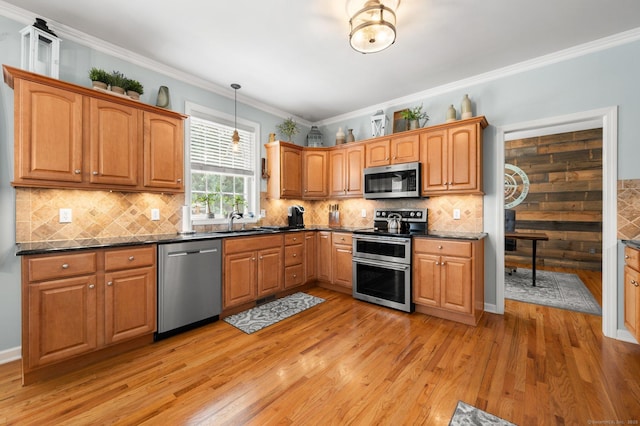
(364, 213)
(65, 215)
(456, 214)
(263, 213)
(155, 214)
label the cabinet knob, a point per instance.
(110, 283)
(253, 258)
(443, 263)
(295, 238)
(305, 190)
(179, 180)
(294, 275)
(94, 173)
(260, 257)
(634, 283)
(91, 285)
(294, 254)
(77, 171)
(626, 256)
(65, 266)
(440, 247)
(437, 263)
(131, 258)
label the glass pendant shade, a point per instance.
(373, 28)
(235, 139)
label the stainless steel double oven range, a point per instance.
(382, 257)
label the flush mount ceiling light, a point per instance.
(372, 24)
(235, 139)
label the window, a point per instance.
(221, 180)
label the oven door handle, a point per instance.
(388, 265)
(381, 238)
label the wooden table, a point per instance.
(534, 238)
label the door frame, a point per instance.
(607, 119)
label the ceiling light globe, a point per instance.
(372, 28)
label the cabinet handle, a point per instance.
(626, 256)
(77, 171)
(294, 275)
(253, 258)
(260, 257)
(305, 190)
(110, 283)
(437, 263)
(65, 266)
(179, 180)
(294, 255)
(91, 285)
(440, 247)
(634, 283)
(94, 173)
(295, 238)
(131, 258)
(443, 263)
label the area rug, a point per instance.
(555, 289)
(466, 414)
(270, 313)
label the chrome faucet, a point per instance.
(233, 215)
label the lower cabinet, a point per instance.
(324, 256)
(632, 291)
(294, 261)
(253, 268)
(448, 278)
(80, 302)
(341, 259)
(310, 256)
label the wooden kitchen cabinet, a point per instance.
(310, 256)
(398, 149)
(448, 278)
(284, 163)
(314, 173)
(86, 305)
(341, 259)
(632, 291)
(294, 259)
(69, 136)
(253, 268)
(451, 158)
(324, 256)
(345, 170)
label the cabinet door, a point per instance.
(290, 175)
(433, 156)
(239, 284)
(130, 304)
(354, 163)
(113, 143)
(270, 266)
(324, 256)
(405, 149)
(314, 174)
(456, 279)
(463, 158)
(48, 133)
(310, 256)
(342, 261)
(62, 319)
(377, 153)
(338, 185)
(632, 301)
(163, 152)
(426, 279)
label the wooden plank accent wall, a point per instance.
(564, 200)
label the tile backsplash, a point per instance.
(629, 209)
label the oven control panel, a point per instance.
(405, 214)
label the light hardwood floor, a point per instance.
(350, 362)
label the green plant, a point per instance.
(211, 200)
(118, 79)
(133, 85)
(238, 201)
(97, 74)
(414, 113)
(288, 128)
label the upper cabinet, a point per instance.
(345, 170)
(397, 149)
(284, 165)
(314, 173)
(69, 136)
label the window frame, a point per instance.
(204, 112)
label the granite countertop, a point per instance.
(632, 243)
(41, 247)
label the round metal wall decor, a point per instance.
(516, 186)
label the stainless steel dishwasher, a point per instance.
(189, 285)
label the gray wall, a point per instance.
(597, 80)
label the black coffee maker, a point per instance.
(295, 216)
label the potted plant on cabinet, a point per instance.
(211, 200)
(288, 128)
(99, 78)
(133, 88)
(414, 115)
(117, 82)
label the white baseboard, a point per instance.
(9, 355)
(625, 336)
(491, 308)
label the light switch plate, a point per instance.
(65, 216)
(456, 214)
(364, 213)
(155, 214)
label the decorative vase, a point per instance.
(350, 137)
(414, 124)
(164, 101)
(465, 108)
(314, 138)
(451, 114)
(340, 137)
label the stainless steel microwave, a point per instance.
(394, 181)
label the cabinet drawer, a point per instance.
(129, 258)
(61, 266)
(632, 258)
(443, 247)
(293, 276)
(293, 255)
(293, 238)
(243, 244)
(342, 238)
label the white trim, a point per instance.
(625, 336)
(607, 118)
(9, 355)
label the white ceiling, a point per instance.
(295, 55)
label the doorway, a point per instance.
(602, 118)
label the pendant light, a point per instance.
(235, 139)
